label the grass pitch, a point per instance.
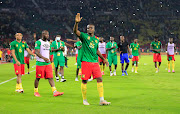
(145, 92)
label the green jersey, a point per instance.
(79, 43)
(56, 45)
(111, 52)
(51, 53)
(89, 47)
(156, 45)
(19, 50)
(135, 49)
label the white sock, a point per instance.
(101, 98)
(114, 70)
(62, 77)
(110, 71)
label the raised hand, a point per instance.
(78, 18)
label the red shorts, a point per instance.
(26, 60)
(173, 58)
(100, 60)
(19, 69)
(135, 58)
(156, 57)
(89, 69)
(44, 71)
(51, 58)
(76, 57)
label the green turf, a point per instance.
(145, 92)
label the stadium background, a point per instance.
(140, 19)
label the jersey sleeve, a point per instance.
(37, 45)
(12, 46)
(63, 44)
(107, 45)
(26, 46)
(151, 43)
(116, 46)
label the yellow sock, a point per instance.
(80, 70)
(172, 65)
(28, 69)
(52, 65)
(17, 86)
(84, 90)
(158, 66)
(53, 89)
(103, 67)
(35, 89)
(100, 89)
(136, 69)
(156, 69)
(20, 86)
(168, 65)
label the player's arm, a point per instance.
(29, 51)
(37, 51)
(15, 58)
(139, 52)
(68, 44)
(79, 47)
(151, 49)
(166, 49)
(71, 40)
(129, 50)
(77, 20)
(107, 49)
(101, 56)
(175, 48)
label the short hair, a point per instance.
(155, 37)
(44, 31)
(58, 35)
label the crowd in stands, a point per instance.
(142, 19)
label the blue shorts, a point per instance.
(124, 57)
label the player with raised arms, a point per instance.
(112, 47)
(17, 48)
(170, 48)
(90, 64)
(43, 64)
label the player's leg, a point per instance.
(39, 74)
(122, 63)
(18, 81)
(127, 63)
(115, 64)
(173, 65)
(86, 74)
(97, 75)
(110, 63)
(133, 61)
(104, 55)
(136, 60)
(49, 75)
(77, 72)
(62, 72)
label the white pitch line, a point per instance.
(13, 78)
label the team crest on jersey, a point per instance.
(83, 75)
(96, 41)
(22, 45)
(20, 50)
(46, 46)
(88, 38)
(16, 45)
